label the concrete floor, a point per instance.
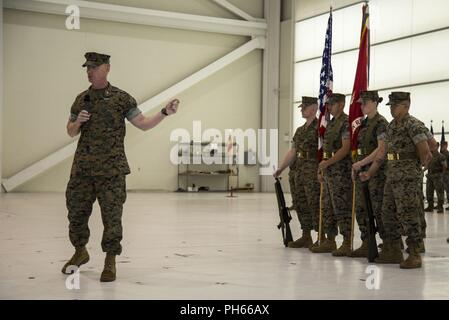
(197, 246)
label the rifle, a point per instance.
(371, 223)
(284, 214)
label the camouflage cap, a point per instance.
(95, 59)
(398, 96)
(335, 98)
(370, 95)
(308, 101)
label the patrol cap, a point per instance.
(398, 96)
(335, 98)
(372, 95)
(95, 59)
(307, 101)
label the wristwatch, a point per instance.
(164, 111)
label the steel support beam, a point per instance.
(117, 13)
(237, 11)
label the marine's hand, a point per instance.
(277, 173)
(323, 165)
(356, 166)
(83, 116)
(364, 176)
(320, 176)
(172, 106)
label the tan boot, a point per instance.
(109, 271)
(344, 249)
(327, 246)
(304, 242)
(391, 253)
(413, 260)
(80, 257)
(316, 243)
(361, 252)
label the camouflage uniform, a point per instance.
(337, 180)
(371, 131)
(422, 214)
(292, 183)
(100, 165)
(446, 175)
(435, 179)
(401, 203)
(305, 142)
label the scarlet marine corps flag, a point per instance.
(361, 80)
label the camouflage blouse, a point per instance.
(306, 139)
(100, 150)
(403, 137)
(371, 130)
(336, 130)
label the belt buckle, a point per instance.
(390, 156)
(359, 152)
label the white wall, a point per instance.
(402, 57)
(1, 89)
(43, 75)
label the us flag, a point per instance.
(326, 84)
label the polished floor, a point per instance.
(198, 246)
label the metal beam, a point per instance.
(237, 11)
(67, 151)
(110, 12)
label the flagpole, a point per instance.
(320, 227)
(353, 216)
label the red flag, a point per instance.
(361, 80)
